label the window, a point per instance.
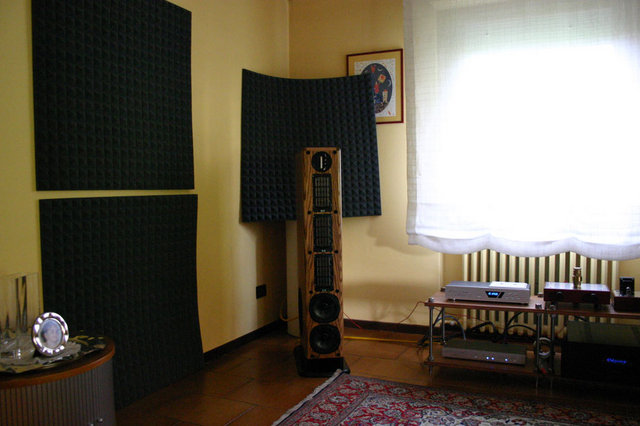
(523, 126)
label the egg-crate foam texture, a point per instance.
(282, 116)
(112, 95)
(125, 268)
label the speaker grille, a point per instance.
(323, 274)
(324, 307)
(325, 339)
(322, 233)
(322, 193)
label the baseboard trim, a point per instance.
(243, 340)
(387, 326)
(424, 330)
(279, 324)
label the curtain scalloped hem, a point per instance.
(526, 248)
(522, 126)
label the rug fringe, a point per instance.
(316, 391)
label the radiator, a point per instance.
(489, 265)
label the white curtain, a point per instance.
(523, 126)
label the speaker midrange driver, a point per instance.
(325, 339)
(324, 307)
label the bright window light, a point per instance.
(524, 140)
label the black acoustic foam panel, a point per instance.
(125, 267)
(282, 116)
(112, 94)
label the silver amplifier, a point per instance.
(495, 291)
(480, 350)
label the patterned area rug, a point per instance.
(350, 400)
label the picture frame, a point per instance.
(387, 67)
(50, 334)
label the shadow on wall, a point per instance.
(388, 231)
(376, 299)
(270, 267)
(270, 250)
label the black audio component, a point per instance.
(626, 299)
(627, 286)
(601, 352)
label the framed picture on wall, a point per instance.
(388, 88)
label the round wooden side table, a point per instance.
(78, 392)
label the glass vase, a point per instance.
(19, 308)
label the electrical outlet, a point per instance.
(261, 291)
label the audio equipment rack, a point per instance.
(544, 312)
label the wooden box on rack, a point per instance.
(598, 294)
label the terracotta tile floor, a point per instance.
(258, 382)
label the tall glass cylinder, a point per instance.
(20, 304)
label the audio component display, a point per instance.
(482, 350)
(598, 294)
(496, 291)
(320, 265)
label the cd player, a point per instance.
(495, 291)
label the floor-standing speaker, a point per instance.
(320, 261)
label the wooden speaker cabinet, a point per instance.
(320, 262)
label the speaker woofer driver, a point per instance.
(324, 307)
(325, 339)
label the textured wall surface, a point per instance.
(282, 116)
(125, 267)
(112, 95)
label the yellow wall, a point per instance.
(232, 257)
(384, 277)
